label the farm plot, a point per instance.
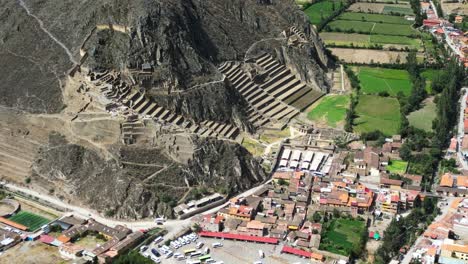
(369, 56)
(399, 40)
(394, 29)
(376, 80)
(32, 221)
(430, 75)
(379, 18)
(359, 40)
(377, 113)
(423, 117)
(322, 10)
(330, 110)
(351, 26)
(394, 9)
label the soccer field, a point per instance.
(374, 80)
(32, 221)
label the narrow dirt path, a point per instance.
(41, 25)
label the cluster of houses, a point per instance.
(440, 242)
(455, 39)
(118, 239)
(452, 184)
(279, 211)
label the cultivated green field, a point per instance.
(379, 18)
(330, 109)
(356, 26)
(397, 166)
(423, 118)
(377, 113)
(388, 9)
(363, 40)
(374, 80)
(32, 221)
(322, 10)
(394, 29)
(342, 236)
(399, 40)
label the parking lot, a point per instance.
(236, 252)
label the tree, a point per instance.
(316, 217)
(282, 182)
(417, 202)
(405, 152)
(133, 257)
(336, 213)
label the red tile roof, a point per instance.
(46, 239)
(296, 251)
(269, 240)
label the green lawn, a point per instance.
(322, 9)
(374, 80)
(423, 118)
(331, 109)
(32, 221)
(342, 236)
(379, 18)
(377, 113)
(397, 166)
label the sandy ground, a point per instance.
(367, 56)
(32, 253)
(458, 8)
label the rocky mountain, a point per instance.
(171, 49)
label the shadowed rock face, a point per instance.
(184, 41)
(145, 181)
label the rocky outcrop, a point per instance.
(144, 181)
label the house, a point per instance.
(415, 179)
(390, 183)
(446, 180)
(70, 250)
(212, 223)
(454, 251)
(464, 145)
(389, 202)
(252, 228)
(465, 126)
(244, 213)
(453, 148)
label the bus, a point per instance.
(204, 258)
(189, 251)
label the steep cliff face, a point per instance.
(145, 181)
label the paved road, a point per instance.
(461, 129)
(173, 227)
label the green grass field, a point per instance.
(322, 9)
(32, 221)
(429, 75)
(397, 9)
(423, 118)
(394, 29)
(377, 113)
(397, 166)
(363, 40)
(342, 236)
(399, 40)
(330, 109)
(375, 80)
(379, 18)
(357, 26)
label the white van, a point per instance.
(158, 239)
(216, 245)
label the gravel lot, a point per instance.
(239, 252)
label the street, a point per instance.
(461, 128)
